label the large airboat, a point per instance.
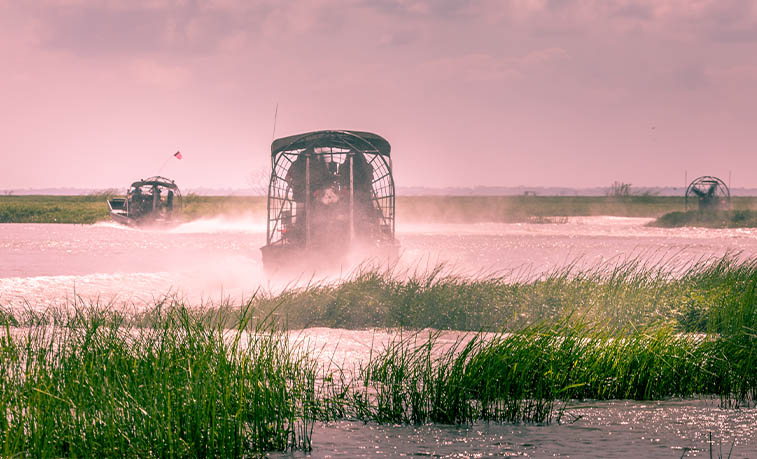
(330, 196)
(152, 201)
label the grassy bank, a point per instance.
(93, 208)
(410, 209)
(723, 219)
(53, 209)
(226, 381)
(464, 209)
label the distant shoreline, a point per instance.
(92, 208)
(545, 191)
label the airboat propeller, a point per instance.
(710, 193)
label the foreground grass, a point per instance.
(721, 219)
(410, 209)
(529, 375)
(93, 386)
(227, 382)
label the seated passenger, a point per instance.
(295, 177)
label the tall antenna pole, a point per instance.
(685, 190)
(275, 115)
(164, 163)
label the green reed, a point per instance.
(224, 380)
(530, 375)
(95, 386)
(700, 296)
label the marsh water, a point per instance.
(208, 260)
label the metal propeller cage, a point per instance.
(344, 153)
(710, 193)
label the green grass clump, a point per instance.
(95, 386)
(709, 219)
(528, 376)
(692, 298)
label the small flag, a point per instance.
(177, 154)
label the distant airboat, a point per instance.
(152, 201)
(330, 193)
(710, 193)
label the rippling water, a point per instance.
(47, 264)
(676, 428)
(42, 265)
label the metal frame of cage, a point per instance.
(342, 147)
(714, 182)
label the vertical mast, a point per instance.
(307, 200)
(352, 198)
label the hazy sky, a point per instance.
(523, 92)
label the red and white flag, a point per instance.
(177, 154)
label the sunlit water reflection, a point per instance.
(43, 265)
(46, 264)
(676, 428)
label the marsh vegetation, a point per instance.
(708, 219)
(230, 380)
(410, 209)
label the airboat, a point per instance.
(152, 201)
(330, 197)
(710, 193)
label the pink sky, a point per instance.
(524, 92)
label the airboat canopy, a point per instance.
(367, 142)
(158, 181)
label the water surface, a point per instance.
(43, 265)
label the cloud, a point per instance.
(97, 31)
(486, 68)
(155, 73)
